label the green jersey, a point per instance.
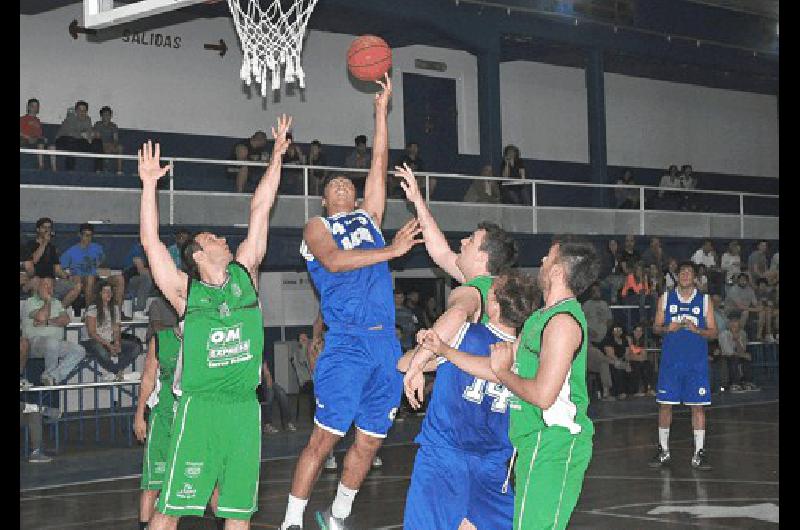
(223, 337)
(568, 413)
(168, 347)
(482, 284)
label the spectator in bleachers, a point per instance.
(31, 135)
(705, 255)
(655, 279)
(641, 376)
(412, 303)
(108, 132)
(40, 260)
(612, 271)
(487, 191)
(720, 319)
(629, 256)
(731, 263)
(667, 199)
(615, 346)
(43, 325)
(412, 159)
(671, 275)
(689, 201)
(757, 262)
(24, 348)
(82, 260)
(773, 266)
(654, 255)
(733, 347)
(77, 134)
(626, 198)
(292, 179)
(512, 167)
(316, 157)
(359, 158)
(253, 149)
(741, 300)
(138, 278)
(275, 392)
(598, 315)
(701, 279)
(105, 342)
(161, 315)
(406, 319)
(431, 313)
(175, 249)
(767, 304)
(31, 417)
(636, 283)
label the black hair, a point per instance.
(412, 142)
(182, 231)
(106, 109)
(289, 136)
(43, 220)
(361, 139)
(187, 256)
(331, 176)
(743, 274)
(79, 103)
(101, 314)
(689, 264)
(581, 262)
(516, 293)
(316, 142)
(86, 226)
(762, 280)
(499, 246)
(259, 133)
(32, 100)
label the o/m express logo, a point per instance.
(225, 346)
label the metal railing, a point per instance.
(601, 191)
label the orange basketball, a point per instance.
(369, 57)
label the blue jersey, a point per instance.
(82, 261)
(684, 345)
(465, 412)
(362, 297)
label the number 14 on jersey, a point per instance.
(480, 388)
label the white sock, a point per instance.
(663, 438)
(343, 502)
(699, 438)
(294, 512)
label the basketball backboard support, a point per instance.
(99, 14)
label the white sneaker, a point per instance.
(108, 378)
(131, 376)
(48, 380)
(140, 315)
(269, 428)
(377, 462)
(330, 463)
(291, 427)
(24, 384)
(38, 457)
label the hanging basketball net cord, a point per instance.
(271, 38)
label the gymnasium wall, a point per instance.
(187, 89)
(193, 90)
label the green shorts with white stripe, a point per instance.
(548, 478)
(155, 453)
(216, 440)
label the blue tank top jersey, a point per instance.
(465, 412)
(684, 344)
(362, 297)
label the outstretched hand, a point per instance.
(414, 386)
(150, 169)
(409, 183)
(382, 97)
(405, 238)
(281, 142)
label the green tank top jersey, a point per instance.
(168, 347)
(482, 284)
(569, 410)
(223, 337)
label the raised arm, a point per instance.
(321, 245)
(252, 250)
(477, 365)
(375, 186)
(435, 242)
(166, 275)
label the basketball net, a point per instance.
(271, 39)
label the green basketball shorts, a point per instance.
(216, 440)
(154, 463)
(549, 477)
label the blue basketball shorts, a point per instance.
(356, 381)
(449, 485)
(684, 382)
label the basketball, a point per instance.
(369, 57)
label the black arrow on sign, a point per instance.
(221, 47)
(74, 29)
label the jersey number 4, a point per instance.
(480, 387)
